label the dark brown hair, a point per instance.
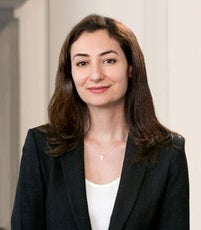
(68, 113)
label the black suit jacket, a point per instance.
(51, 191)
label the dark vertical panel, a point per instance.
(9, 119)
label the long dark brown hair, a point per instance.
(68, 113)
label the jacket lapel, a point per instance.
(129, 187)
(73, 169)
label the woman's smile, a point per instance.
(98, 89)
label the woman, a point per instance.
(104, 161)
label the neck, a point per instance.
(107, 125)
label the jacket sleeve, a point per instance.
(29, 207)
(174, 213)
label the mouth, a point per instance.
(98, 89)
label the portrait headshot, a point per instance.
(95, 118)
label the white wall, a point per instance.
(184, 113)
(33, 64)
(169, 34)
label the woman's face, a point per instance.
(99, 69)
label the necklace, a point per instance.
(101, 156)
(108, 151)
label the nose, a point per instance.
(96, 72)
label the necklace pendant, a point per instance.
(101, 157)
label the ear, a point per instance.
(130, 68)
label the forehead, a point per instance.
(94, 42)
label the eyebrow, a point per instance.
(101, 54)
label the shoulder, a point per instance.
(37, 135)
(177, 142)
(35, 143)
(172, 154)
(38, 132)
(170, 165)
(176, 146)
(35, 159)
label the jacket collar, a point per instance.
(73, 169)
(130, 182)
(129, 187)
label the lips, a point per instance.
(98, 89)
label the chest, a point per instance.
(103, 164)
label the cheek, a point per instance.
(123, 81)
(75, 80)
(124, 86)
(78, 78)
(122, 77)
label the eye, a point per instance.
(81, 63)
(109, 61)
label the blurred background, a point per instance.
(31, 35)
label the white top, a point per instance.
(101, 198)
